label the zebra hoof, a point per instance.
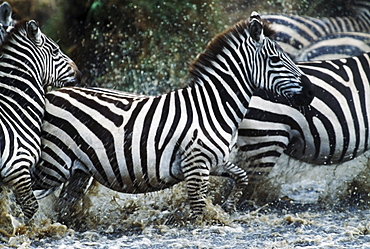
(196, 219)
(178, 218)
(29, 208)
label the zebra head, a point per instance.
(58, 69)
(281, 75)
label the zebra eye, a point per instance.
(55, 51)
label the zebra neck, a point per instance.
(227, 103)
(21, 84)
(22, 67)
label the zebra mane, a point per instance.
(216, 45)
(21, 25)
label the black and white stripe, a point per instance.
(28, 61)
(137, 144)
(334, 128)
(336, 46)
(298, 32)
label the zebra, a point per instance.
(337, 46)
(334, 128)
(138, 144)
(298, 32)
(29, 60)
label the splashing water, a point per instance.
(150, 55)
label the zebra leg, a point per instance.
(20, 183)
(259, 164)
(241, 182)
(71, 193)
(197, 179)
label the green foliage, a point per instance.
(145, 46)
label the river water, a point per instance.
(106, 219)
(308, 229)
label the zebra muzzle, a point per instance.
(77, 79)
(307, 93)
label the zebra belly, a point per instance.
(117, 163)
(137, 177)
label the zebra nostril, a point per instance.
(306, 94)
(311, 93)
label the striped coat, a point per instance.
(136, 144)
(29, 61)
(334, 128)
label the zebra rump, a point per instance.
(136, 144)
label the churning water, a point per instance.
(107, 219)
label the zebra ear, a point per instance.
(256, 27)
(6, 14)
(33, 32)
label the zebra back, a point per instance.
(297, 32)
(337, 46)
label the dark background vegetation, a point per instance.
(145, 46)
